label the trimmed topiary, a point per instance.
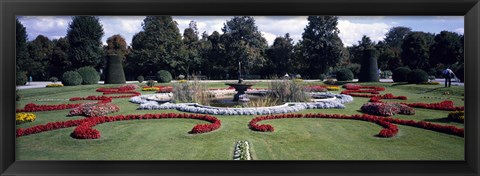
(460, 73)
(115, 74)
(344, 75)
(163, 76)
(140, 79)
(369, 68)
(71, 78)
(417, 76)
(401, 74)
(89, 75)
(21, 78)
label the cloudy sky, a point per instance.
(352, 28)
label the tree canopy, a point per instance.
(84, 35)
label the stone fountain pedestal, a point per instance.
(241, 88)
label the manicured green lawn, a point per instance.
(293, 139)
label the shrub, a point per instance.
(460, 73)
(288, 91)
(322, 77)
(21, 78)
(344, 75)
(330, 82)
(150, 83)
(417, 76)
(401, 74)
(89, 75)
(140, 79)
(71, 78)
(163, 76)
(457, 116)
(53, 79)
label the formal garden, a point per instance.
(339, 113)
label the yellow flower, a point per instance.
(333, 88)
(182, 81)
(150, 89)
(25, 117)
(54, 85)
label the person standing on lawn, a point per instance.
(448, 74)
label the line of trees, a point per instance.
(160, 46)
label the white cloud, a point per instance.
(126, 26)
(351, 33)
(269, 36)
(460, 30)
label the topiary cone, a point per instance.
(369, 68)
(114, 73)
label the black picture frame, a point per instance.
(470, 9)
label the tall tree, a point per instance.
(280, 56)
(190, 59)
(157, 46)
(322, 48)
(59, 58)
(244, 43)
(447, 48)
(415, 50)
(84, 35)
(356, 51)
(116, 44)
(395, 36)
(21, 46)
(40, 51)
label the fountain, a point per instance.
(240, 88)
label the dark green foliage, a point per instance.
(321, 46)
(71, 78)
(395, 35)
(40, 51)
(460, 73)
(18, 97)
(84, 35)
(21, 51)
(369, 68)
(140, 79)
(330, 82)
(150, 83)
(59, 58)
(21, 78)
(356, 51)
(280, 56)
(417, 76)
(116, 44)
(243, 42)
(322, 77)
(415, 50)
(158, 46)
(447, 48)
(163, 76)
(344, 75)
(189, 55)
(114, 74)
(400, 74)
(53, 79)
(89, 75)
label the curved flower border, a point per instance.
(389, 129)
(290, 107)
(84, 127)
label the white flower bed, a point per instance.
(290, 107)
(242, 151)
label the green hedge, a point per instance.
(140, 79)
(417, 76)
(71, 78)
(163, 76)
(115, 74)
(369, 68)
(21, 78)
(89, 75)
(401, 74)
(344, 75)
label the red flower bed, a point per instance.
(84, 128)
(126, 89)
(389, 129)
(94, 109)
(387, 109)
(387, 96)
(315, 88)
(353, 89)
(444, 105)
(164, 89)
